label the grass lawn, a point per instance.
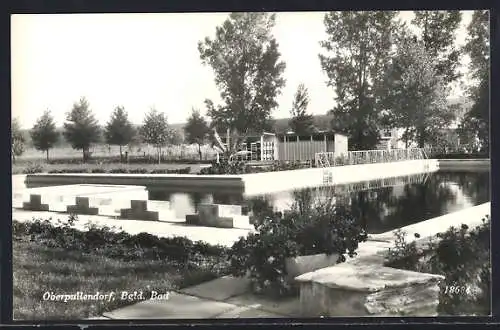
(38, 269)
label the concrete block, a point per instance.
(208, 215)
(228, 210)
(148, 210)
(192, 219)
(165, 213)
(83, 206)
(221, 215)
(224, 222)
(241, 222)
(139, 211)
(368, 290)
(35, 203)
(95, 206)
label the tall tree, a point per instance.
(119, 130)
(248, 72)
(416, 96)
(81, 129)
(196, 130)
(476, 123)
(17, 139)
(438, 29)
(44, 134)
(301, 122)
(358, 48)
(155, 130)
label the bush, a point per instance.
(462, 256)
(320, 228)
(404, 255)
(123, 170)
(138, 170)
(70, 170)
(118, 170)
(33, 168)
(116, 244)
(240, 167)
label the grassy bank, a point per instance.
(62, 260)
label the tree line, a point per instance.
(384, 75)
(82, 130)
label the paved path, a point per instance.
(225, 297)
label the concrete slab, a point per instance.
(471, 216)
(219, 289)
(285, 307)
(35, 203)
(178, 306)
(366, 278)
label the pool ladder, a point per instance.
(323, 160)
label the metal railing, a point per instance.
(326, 159)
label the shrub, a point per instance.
(321, 228)
(462, 256)
(111, 242)
(33, 168)
(404, 255)
(118, 170)
(138, 170)
(240, 167)
(185, 170)
(70, 170)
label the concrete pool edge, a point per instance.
(250, 184)
(464, 164)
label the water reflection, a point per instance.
(380, 205)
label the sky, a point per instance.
(140, 61)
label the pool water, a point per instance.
(379, 205)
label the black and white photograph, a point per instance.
(250, 165)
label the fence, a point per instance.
(325, 159)
(176, 152)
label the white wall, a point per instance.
(259, 183)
